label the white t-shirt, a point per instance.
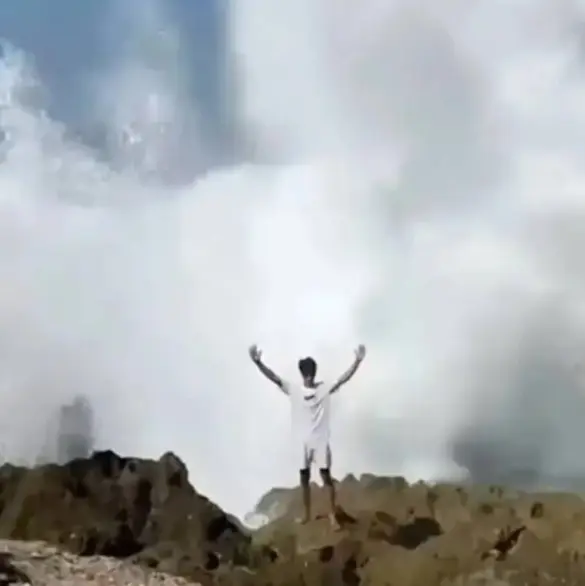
(311, 412)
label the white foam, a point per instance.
(417, 186)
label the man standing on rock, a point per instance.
(310, 401)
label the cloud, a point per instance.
(410, 180)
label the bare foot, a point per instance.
(335, 525)
(303, 520)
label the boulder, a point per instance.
(124, 508)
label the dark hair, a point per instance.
(308, 367)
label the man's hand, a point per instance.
(360, 352)
(255, 354)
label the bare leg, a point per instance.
(305, 475)
(331, 497)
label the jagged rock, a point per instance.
(121, 507)
(10, 573)
(146, 513)
(422, 535)
(39, 564)
(273, 504)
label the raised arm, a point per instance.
(360, 354)
(256, 357)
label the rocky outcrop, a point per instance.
(38, 563)
(144, 516)
(420, 535)
(124, 508)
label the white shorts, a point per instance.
(318, 454)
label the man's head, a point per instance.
(308, 368)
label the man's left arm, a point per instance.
(360, 354)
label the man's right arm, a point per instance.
(269, 374)
(255, 355)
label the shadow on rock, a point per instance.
(415, 533)
(10, 574)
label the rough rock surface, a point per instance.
(420, 535)
(125, 508)
(131, 521)
(37, 563)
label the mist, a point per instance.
(409, 175)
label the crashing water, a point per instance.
(411, 175)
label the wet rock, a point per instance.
(123, 508)
(146, 514)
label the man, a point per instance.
(310, 402)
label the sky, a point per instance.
(179, 181)
(66, 39)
